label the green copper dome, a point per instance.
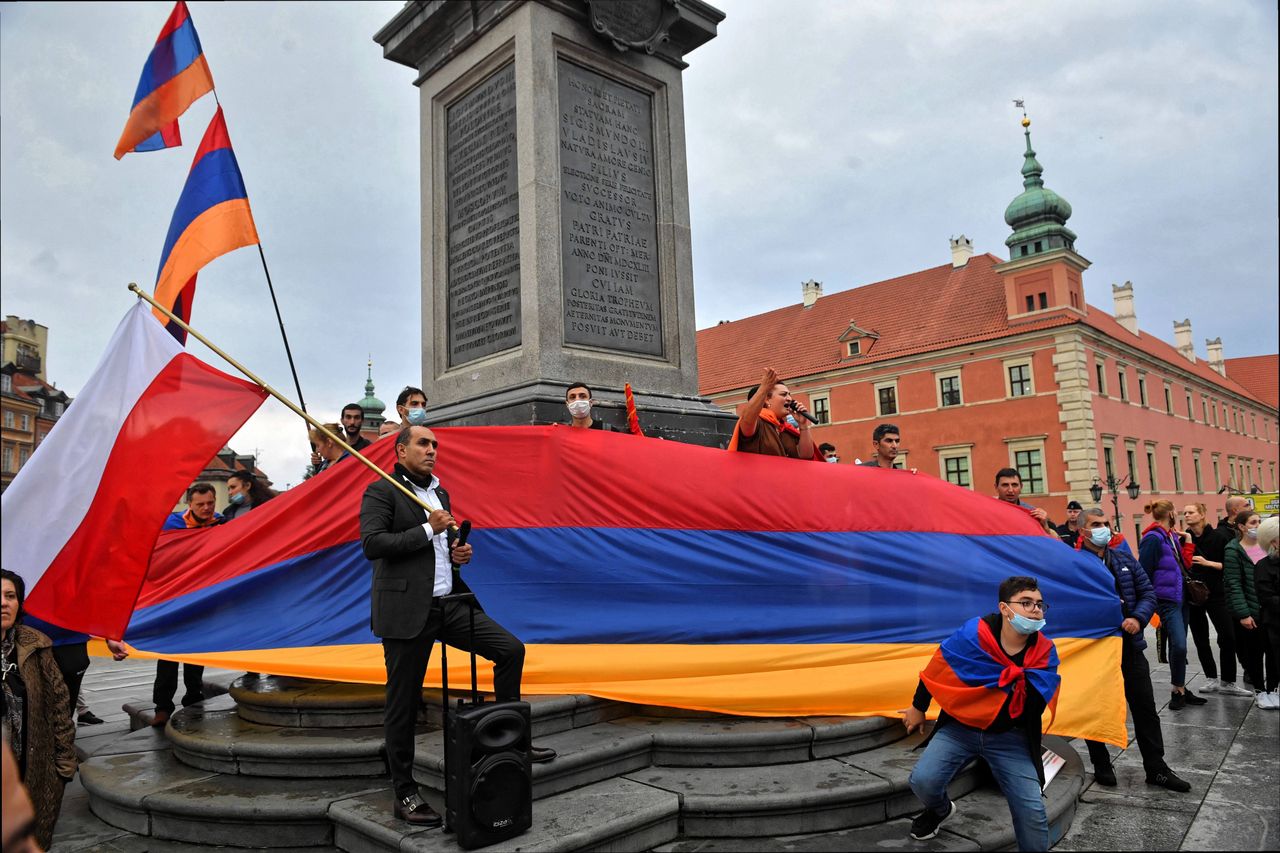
(373, 407)
(1038, 216)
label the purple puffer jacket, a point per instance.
(1163, 564)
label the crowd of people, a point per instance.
(1187, 573)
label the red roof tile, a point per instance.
(1260, 374)
(919, 312)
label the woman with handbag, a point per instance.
(1206, 566)
(1165, 556)
(1242, 597)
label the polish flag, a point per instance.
(80, 520)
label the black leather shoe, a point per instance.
(160, 718)
(1192, 699)
(1166, 778)
(1177, 701)
(539, 754)
(417, 813)
(1105, 776)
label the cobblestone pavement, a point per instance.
(1228, 749)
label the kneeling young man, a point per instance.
(993, 679)
(415, 563)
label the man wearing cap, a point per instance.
(1070, 532)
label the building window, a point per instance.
(1039, 245)
(1272, 466)
(1151, 469)
(887, 398)
(41, 436)
(57, 409)
(1109, 462)
(956, 470)
(6, 382)
(1168, 401)
(1031, 303)
(1213, 407)
(1204, 408)
(26, 423)
(949, 391)
(1217, 476)
(1019, 380)
(1044, 297)
(900, 461)
(1122, 383)
(1195, 465)
(1224, 416)
(1177, 472)
(855, 347)
(8, 419)
(8, 459)
(1142, 390)
(23, 455)
(1030, 465)
(821, 408)
(1253, 423)
(1131, 456)
(1100, 367)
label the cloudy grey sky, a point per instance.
(829, 139)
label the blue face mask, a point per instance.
(1100, 536)
(416, 417)
(1023, 625)
(237, 498)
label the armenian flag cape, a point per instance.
(652, 572)
(971, 677)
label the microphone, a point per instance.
(794, 407)
(464, 530)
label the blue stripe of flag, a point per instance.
(171, 55)
(215, 179)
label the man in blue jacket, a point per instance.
(1138, 603)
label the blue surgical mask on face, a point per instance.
(1100, 536)
(237, 498)
(833, 459)
(1251, 532)
(1023, 625)
(416, 417)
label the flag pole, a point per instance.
(255, 379)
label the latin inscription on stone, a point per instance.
(609, 234)
(484, 221)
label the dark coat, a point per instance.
(50, 734)
(403, 557)
(1267, 583)
(1238, 581)
(1137, 597)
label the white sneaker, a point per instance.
(1210, 685)
(1229, 688)
(1262, 700)
(1273, 701)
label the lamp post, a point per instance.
(1129, 484)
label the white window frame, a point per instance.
(825, 397)
(1152, 453)
(900, 461)
(853, 347)
(1216, 460)
(1109, 443)
(6, 382)
(897, 400)
(940, 375)
(1030, 443)
(955, 451)
(1009, 364)
(1100, 373)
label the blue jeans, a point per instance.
(1173, 616)
(954, 744)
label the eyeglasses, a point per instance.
(1031, 604)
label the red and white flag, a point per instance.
(80, 520)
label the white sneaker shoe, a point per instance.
(1229, 688)
(1273, 701)
(1262, 700)
(1210, 685)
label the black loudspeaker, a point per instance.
(488, 781)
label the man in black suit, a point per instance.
(415, 562)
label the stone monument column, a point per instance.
(555, 208)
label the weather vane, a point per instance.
(1019, 104)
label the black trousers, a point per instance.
(72, 660)
(1199, 618)
(1260, 660)
(1142, 707)
(167, 684)
(406, 661)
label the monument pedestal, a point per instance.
(555, 229)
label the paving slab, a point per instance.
(1115, 825)
(1243, 826)
(1222, 712)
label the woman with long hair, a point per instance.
(1206, 566)
(1164, 554)
(245, 491)
(1238, 569)
(37, 709)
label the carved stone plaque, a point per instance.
(608, 228)
(633, 24)
(483, 289)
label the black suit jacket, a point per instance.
(403, 557)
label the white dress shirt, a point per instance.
(440, 541)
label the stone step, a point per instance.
(614, 815)
(151, 793)
(213, 736)
(982, 822)
(305, 703)
(217, 682)
(583, 756)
